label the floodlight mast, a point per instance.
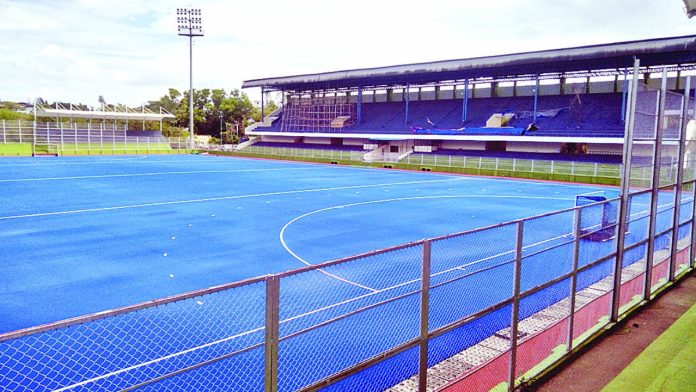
(190, 25)
(690, 8)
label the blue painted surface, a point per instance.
(80, 235)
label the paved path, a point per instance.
(605, 360)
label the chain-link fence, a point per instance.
(488, 313)
(468, 311)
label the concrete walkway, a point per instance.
(605, 360)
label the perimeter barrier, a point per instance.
(486, 308)
(65, 138)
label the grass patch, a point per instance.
(668, 364)
(15, 150)
(470, 165)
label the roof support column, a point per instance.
(562, 85)
(678, 84)
(514, 88)
(437, 92)
(262, 114)
(359, 106)
(465, 101)
(536, 97)
(587, 85)
(494, 90)
(389, 95)
(420, 90)
(623, 95)
(406, 95)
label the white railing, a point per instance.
(594, 169)
(72, 138)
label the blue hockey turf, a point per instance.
(89, 234)
(81, 235)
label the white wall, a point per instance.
(533, 147)
(278, 139)
(463, 145)
(613, 149)
(317, 140)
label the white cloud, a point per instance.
(129, 52)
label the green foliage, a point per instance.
(8, 114)
(214, 110)
(269, 107)
(208, 108)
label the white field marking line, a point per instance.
(300, 259)
(156, 360)
(150, 174)
(164, 203)
(90, 161)
(374, 292)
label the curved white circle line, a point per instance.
(303, 261)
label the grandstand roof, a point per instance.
(652, 52)
(144, 115)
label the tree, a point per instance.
(169, 102)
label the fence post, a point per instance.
(496, 164)
(680, 180)
(271, 337)
(62, 144)
(101, 139)
(655, 188)
(572, 168)
(514, 164)
(515, 306)
(424, 312)
(479, 163)
(595, 169)
(532, 169)
(464, 162)
(4, 133)
(625, 189)
(552, 162)
(574, 278)
(692, 259)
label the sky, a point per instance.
(129, 52)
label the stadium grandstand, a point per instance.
(561, 104)
(61, 130)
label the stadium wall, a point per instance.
(506, 89)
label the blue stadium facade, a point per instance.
(555, 102)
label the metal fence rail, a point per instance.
(64, 138)
(465, 311)
(268, 332)
(434, 160)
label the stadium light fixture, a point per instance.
(189, 23)
(690, 8)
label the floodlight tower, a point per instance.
(690, 8)
(190, 25)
